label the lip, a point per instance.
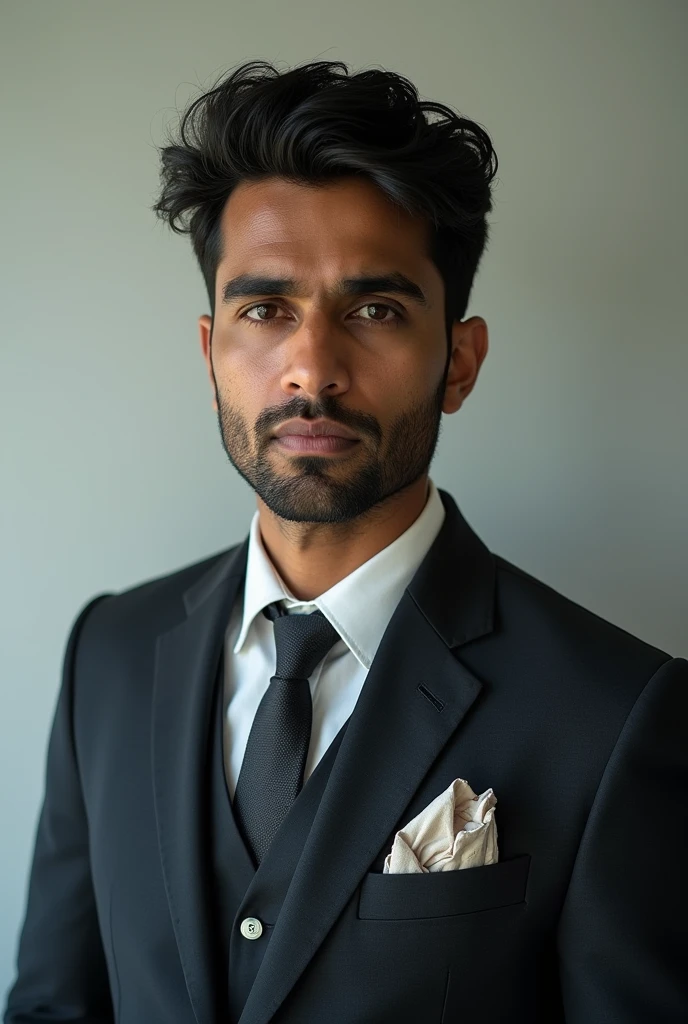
(314, 429)
(323, 444)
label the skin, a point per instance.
(345, 358)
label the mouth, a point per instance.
(324, 444)
(314, 437)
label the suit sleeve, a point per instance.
(61, 971)
(623, 933)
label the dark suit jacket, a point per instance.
(485, 674)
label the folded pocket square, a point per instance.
(456, 830)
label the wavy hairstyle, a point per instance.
(316, 122)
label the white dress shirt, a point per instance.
(359, 607)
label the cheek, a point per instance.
(242, 374)
(400, 382)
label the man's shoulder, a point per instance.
(175, 582)
(532, 611)
(151, 603)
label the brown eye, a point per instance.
(377, 306)
(261, 306)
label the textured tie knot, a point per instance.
(301, 642)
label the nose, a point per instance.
(314, 360)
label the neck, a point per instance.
(311, 557)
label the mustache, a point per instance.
(356, 421)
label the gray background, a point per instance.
(569, 457)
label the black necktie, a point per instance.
(272, 769)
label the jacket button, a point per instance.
(251, 928)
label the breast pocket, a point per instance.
(389, 897)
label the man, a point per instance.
(237, 744)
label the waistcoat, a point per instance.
(237, 888)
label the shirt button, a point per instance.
(251, 928)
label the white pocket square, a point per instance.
(457, 830)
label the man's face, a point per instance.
(372, 361)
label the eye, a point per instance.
(384, 306)
(259, 320)
(392, 321)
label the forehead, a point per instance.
(339, 225)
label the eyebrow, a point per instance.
(247, 285)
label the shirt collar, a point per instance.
(359, 606)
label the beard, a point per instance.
(333, 489)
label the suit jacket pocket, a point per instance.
(386, 897)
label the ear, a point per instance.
(469, 348)
(205, 329)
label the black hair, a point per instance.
(316, 122)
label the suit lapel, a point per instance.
(185, 667)
(414, 697)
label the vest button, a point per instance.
(251, 928)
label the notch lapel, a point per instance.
(415, 696)
(186, 663)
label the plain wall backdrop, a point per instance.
(569, 458)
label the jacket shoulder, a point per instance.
(148, 605)
(560, 624)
